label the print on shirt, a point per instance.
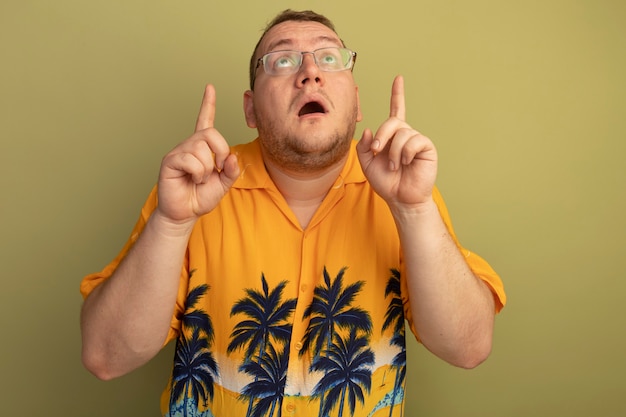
(338, 339)
(266, 326)
(394, 319)
(270, 376)
(195, 368)
(345, 363)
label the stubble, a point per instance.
(313, 153)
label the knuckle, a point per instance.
(198, 145)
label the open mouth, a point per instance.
(311, 107)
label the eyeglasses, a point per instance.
(288, 62)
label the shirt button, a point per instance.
(298, 346)
(291, 408)
(304, 287)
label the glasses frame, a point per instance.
(263, 60)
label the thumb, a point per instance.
(364, 148)
(365, 143)
(230, 172)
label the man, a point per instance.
(285, 268)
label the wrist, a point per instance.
(414, 212)
(168, 227)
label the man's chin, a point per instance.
(317, 157)
(309, 155)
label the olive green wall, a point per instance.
(526, 102)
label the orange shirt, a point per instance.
(272, 316)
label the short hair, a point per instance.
(286, 16)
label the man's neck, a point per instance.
(304, 191)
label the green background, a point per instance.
(526, 102)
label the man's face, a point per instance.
(305, 120)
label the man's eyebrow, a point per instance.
(281, 43)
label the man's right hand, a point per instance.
(198, 172)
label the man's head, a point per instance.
(305, 105)
(286, 15)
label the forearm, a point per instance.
(126, 319)
(452, 309)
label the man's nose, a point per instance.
(309, 71)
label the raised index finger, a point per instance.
(397, 108)
(206, 117)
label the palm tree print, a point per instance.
(195, 368)
(394, 318)
(331, 310)
(268, 319)
(347, 372)
(198, 319)
(270, 376)
(194, 371)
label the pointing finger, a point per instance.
(397, 108)
(206, 117)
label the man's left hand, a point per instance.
(399, 162)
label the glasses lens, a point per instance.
(282, 62)
(333, 59)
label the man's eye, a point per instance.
(284, 62)
(329, 59)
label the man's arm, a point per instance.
(125, 320)
(453, 311)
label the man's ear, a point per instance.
(359, 115)
(248, 108)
